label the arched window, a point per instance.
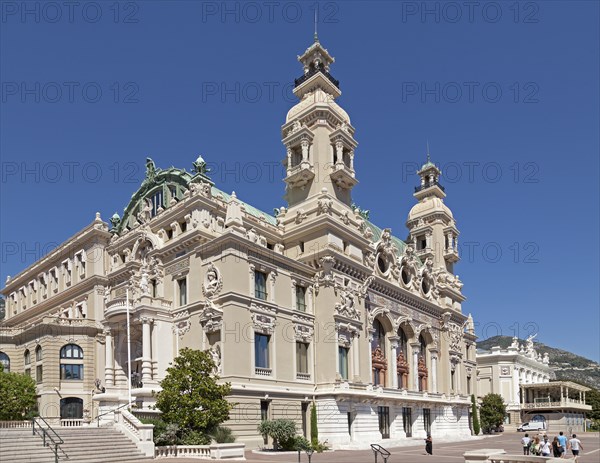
(71, 408)
(27, 357)
(38, 353)
(402, 368)
(378, 361)
(5, 362)
(71, 351)
(72, 371)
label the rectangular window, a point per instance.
(71, 372)
(407, 420)
(157, 202)
(301, 298)
(343, 359)
(304, 408)
(260, 285)
(301, 357)
(264, 415)
(452, 381)
(182, 288)
(384, 421)
(39, 373)
(28, 372)
(427, 420)
(261, 350)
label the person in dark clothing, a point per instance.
(429, 445)
(556, 448)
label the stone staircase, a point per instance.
(81, 445)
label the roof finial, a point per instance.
(316, 22)
(428, 157)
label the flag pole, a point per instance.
(128, 346)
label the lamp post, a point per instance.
(309, 453)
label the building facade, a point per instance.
(504, 371)
(311, 304)
(559, 404)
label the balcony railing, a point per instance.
(312, 72)
(303, 376)
(262, 371)
(427, 185)
(564, 403)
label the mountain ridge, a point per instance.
(566, 365)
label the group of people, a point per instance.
(540, 445)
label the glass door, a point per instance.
(407, 420)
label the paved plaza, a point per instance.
(450, 451)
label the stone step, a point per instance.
(81, 445)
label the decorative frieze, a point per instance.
(178, 267)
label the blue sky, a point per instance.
(506, 93)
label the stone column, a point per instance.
(289, 158)
(434, 359)
(109, 369)
(415, 366)
(146, 351)
(394, 345)
(370, 340)
(355, 356)
(515, 393)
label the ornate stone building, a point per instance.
(313, 303)
(506, 371)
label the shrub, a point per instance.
(223, 435)
(280, 430)
(193, 437)
(169, 436)
(159, 428)
(319, 447)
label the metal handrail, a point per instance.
(378, 449)
(112, 411)
(46, 433)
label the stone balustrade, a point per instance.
(500, 456)
(141, 434)
(204, 452)
(14, 424)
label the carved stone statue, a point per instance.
(150, 169)
(346, 307)
(212, 282)
(215, 354)
(199, 166)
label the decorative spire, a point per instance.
(428, 157)
(316, 23)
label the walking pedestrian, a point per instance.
(535, 447)
(556, 448)
(526, 442)
(545, 447)
(562, 441)
(429, 445)
(575, 446)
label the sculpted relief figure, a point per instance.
(346, 307)
(213, 282)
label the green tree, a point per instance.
(492, 411)
(17, 396)
(314, 429)
(475, 416)
(191, 397)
